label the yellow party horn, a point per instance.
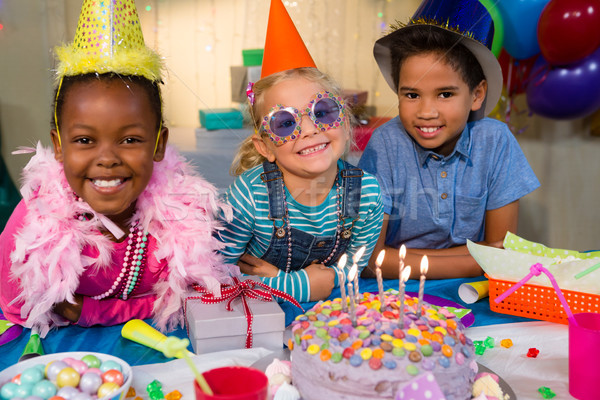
(142, 333)
(473, 291)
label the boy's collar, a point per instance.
(461, 148)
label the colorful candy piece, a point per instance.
(174, 395)
(507, 343)
(489, 342)
(533, 352)
(546, 392)
(154, 390)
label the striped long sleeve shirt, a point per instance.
(250, 230)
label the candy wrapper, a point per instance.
(514, 261)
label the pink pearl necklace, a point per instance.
(134, 263)
(280, 232)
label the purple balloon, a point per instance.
(567, 92)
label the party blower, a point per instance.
(584, 341)
(142, 333)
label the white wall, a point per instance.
(201, 39)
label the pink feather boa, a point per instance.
(178, 208)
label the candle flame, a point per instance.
(405, 273)
(424, 265)
(402, 252)
(342, 261)
(352, 273)
(359, 254)
(380, 258)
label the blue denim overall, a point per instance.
(306, 248)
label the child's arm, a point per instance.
(87, 311)
(313, 283)
(453, 262)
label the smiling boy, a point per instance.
(447, 174)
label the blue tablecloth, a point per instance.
(107, 339)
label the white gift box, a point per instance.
(211, 327)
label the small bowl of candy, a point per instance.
(71, 376)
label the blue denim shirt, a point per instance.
(440, 202)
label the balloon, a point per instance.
(498, 25)
(519, 72)
(569, 30)
(565, 92)
(520, 19)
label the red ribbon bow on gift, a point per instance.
(243, 289)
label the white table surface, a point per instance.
(524, 375)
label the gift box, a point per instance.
(252, 57)
(362, 133)
(211, 327)
(221, 118)
(240, 76)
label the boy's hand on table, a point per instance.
(72, 312)
(322, 281)
(251, 265)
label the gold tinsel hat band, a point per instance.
(469, 22)
(108, 39)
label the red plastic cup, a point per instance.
(234, 383)
(584, 353)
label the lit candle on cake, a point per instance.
(351, 275)
(342, 281)
(403, 279)
(378, 263)
(424, 268)
(355, 260)
(401, 255)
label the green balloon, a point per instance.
(498, 25)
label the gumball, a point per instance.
(107, 388)
(53, 368)
(92, 361)
(112, 375)
(23, 390)
(82, 396)
(16, 379)
(8, 390)
(42, 367)
(67, 377)
(69, 360)
(57, 397)
(109, 364)
(94, 371)
(44, 389)
(79, 366)
(32, 375)
(90, 382)
(67, 392)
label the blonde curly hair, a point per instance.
(247, 156)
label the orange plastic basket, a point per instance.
(540, 302)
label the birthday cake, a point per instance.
(372, 357)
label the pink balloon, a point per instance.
(569, 30)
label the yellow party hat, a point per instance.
(108, 39)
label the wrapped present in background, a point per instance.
(239, 318)
(221, 118)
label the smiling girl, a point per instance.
(113, 224)
(297, 205)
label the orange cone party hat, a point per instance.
(108, 39)
(284, 48)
